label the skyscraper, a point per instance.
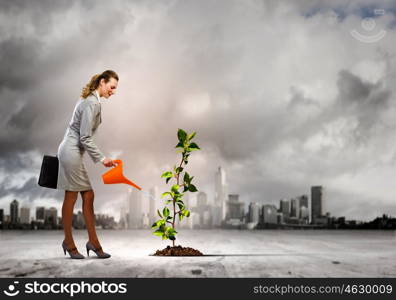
(295, 208)
(40, 211)
(202, 199)
(14, 211)
(235, 207)
(270, 214)
(254, 213)
(154, 198)
(220, 200)
(135, 209)
(284, 208)
(25, 215)
(51, 216)
(316, 202)
(304, 211)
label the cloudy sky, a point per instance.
(283, 95)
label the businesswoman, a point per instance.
(72, 175)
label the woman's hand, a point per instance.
(107, 162)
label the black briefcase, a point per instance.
(49, 172)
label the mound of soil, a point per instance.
(178, 251)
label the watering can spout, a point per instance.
(115, 176)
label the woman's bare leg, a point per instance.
(67, 217)
(89, 216)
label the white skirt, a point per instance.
(72, 175)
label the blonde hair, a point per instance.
(95, 80)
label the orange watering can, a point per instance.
(115, 176)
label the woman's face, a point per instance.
(106, 89)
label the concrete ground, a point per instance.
(228, 253)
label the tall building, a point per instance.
(1, 217)
(202, 199)
(51, 216)
(25, 215)
(14, 212)
(284, 208)
(254, 213)
(135, 209)
(40, 211)
(235, 208)
(270, 214)
(295, 208)
(220, 197)
(304, 210)
(203, 210)
(316, 202)
(153, 204)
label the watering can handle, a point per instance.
(117, 161)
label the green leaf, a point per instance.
(164, 237)
(166, 174)
(186, 213)
(181, 135)
(191, 136)
(192, 188)
(193, 146)
(175, 188)
(158, 233)
(158, 212)
(154, 225)
(179, 170)
(166, 193)
(186, 177)
(181, 206)
(185, 188)
(181, 217)
(172, 237)
(165, 212)
(180, 145)
(167, 179)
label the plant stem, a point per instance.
(174, 202)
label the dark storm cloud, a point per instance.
(363, 100)
(30, 190)
(33, 66)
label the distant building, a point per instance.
(203, 210)
(284, 208)
(202, 199)
(270, 214)
(40, 211)
(78, 220)
(25, 215)
(153, 201)
(304, 208)
(51, 217)
(254, 213)
(235, 208)
(14, 212)
(135, 209)
(295, 208)
(220, 197)
(316, 203)
(1, 218)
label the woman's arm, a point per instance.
(89, 113)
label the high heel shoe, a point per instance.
(99, 252)
(70, 251)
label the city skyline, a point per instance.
(224, 211)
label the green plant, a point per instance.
(165, 226)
